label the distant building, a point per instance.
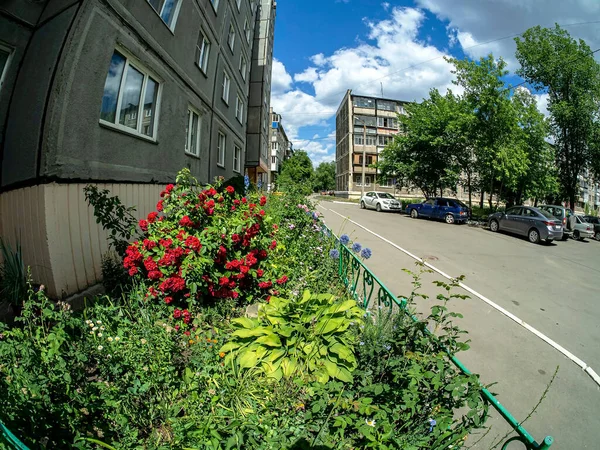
(355, 115)
(122, 94)
(280, 147)
(589, 193)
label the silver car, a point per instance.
(537, 224)
(583, 229)
(380, 201)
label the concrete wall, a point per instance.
(58, 233)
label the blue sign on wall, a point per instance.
(275, 124)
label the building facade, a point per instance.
(259, 101)
(280, 147)
(364, 126)
(123, 94)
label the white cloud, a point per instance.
(310, 75)
(280, 79)
(386, 6)
(542, 103)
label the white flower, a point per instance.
(92, 333)
(94, 328)
(371, 422)
(99, 322)
(88, 322)
(109, 356)
(99, 334)
(102, 328)
(143, 341)
(100, 348)
(145, 368)
(117, 339)
(91, 324)
(109, 339)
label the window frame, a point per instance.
(131, 60)
(204, 51)
(237, 156)
(238, 4)
(192, 111)
(239, 109)
(215, 5)
(221, 152)
(7, 49)
(244, 66)
(247, 31)
(226, 86)
(176, 10)
(231, 37)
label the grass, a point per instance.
(331, 198)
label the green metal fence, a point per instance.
(368, 290)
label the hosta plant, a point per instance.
(312, 335)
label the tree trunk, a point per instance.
(481, 199)
(469, 188)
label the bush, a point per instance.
(13, 275)
(115, 278)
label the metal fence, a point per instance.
(368, 290)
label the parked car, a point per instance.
(448, 209)
(537, 224)
(380, 201)
(563, 214)
(595, 221)
(582, 229)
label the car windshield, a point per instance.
(385, 195)
(580, 219)
(546, 214)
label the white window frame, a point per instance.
(221, 149)
(226, 86)
(247, 31)
(237, 159)
(231, 37)
(239, 109)
(243, 66)
(203, 52)
(238, 4)
(10, 52)
(192, 111)
(175, 14)
(215, 4)
(131, 60)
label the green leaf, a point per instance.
(228, 347)
(247, 359)
(342, 351)
(245, 322)
(270, 340)
(327, 325)
(340, 307)
(245, 333)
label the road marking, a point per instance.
(587, 369)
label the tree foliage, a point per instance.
(296, 173)
(552, 60)
(324, 179)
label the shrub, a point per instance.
(202, 246)
(13, 275)
(115, 278)
(314, 334)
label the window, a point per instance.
(129, 88)
(370, 121)
(363, 102)
(386, 105)
(167, 10)
(273, 160)
(226, 84)
(237, 159)
(239, 109)
(387, 122)
(5, 53)
(243, 67)
(247, 31)
(358, 139)
(231, 37)
(192, 132)
(238, 3)
(215, 4)
(371, 140)
(383, 140)
(221, 143)
(202, 52)
(358, 181)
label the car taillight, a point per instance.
(564, 221)
(549, 224)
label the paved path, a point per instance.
(554, 288)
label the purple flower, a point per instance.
(366, 253)
(344, 239)
(334, 254)
(356, 247)
(432, 423)
(291, 226)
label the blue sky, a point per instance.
(323, 48)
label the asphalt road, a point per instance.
(554, 288)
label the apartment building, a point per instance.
(280, 147)
(123, 94)
(364, 126)
(259, 101)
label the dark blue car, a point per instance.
(447, 209)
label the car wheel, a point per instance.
(534, 236)
(414, 213)
(598, 235)
(494, 225)
(378, 207)
(576, 235)
(362, 205)
(449, 219)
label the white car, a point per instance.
(380, 201)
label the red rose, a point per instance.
(230, 189)
(187, 333)
(252, 205)
(223, 281)
(260, 273)
(262, 254)
(220, 199)
(148, 244)
(155, 275)
(170, 187)
(186, 222)
(194, 243)
(150, 264)
(168, 300)
(159, 205)
(166, 243)
(244, 201)
(177, 313)
(132, 271)
(212, 192)
(210, 203)
(233, 208)
(273, 245)
(236, 202)
(265, 284)
(143, 225)
(244, 269)
(262, 212)
(282, 280)
(235, 294)
(210, 211)
(263, 200)
(177, 327)
(235, 238)
(152, 216)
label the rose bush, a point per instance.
(204, 244)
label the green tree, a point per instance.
(297, 173)
(421, 155)
(552, 60)
(491, 133)
(324, 179)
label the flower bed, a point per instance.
(175, 364)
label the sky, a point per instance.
(325, 47)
